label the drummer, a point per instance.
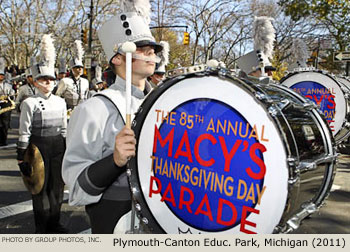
(257, 63)
(98, 143)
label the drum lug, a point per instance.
(306, 166)
(292, 163)
(273, 110)
(263, 97)
(294, 222)
(285, 103)
(310, 106)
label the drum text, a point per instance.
(237, 129)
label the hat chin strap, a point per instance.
(50, 88)
(154, 59)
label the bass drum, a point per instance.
(330, 95)
(216, 154)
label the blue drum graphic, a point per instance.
(208, 165)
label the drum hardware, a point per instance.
(346, 94)
(293, 180)
(294, 177)
(273, 110)
(295, 221)
(263, 97)
(304, 69)
(285, 104)
(132, 223)
(308, 166)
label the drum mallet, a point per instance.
(128, 48)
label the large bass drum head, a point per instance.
(209, 159)
(323, 90)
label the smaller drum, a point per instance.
(330, 95)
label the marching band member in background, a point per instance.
(43, 123)
(61, 73)
(301, 54)
(97, 82)
(98, 143)
(74, 89)
(159, 73)
(62, 69)
(27, 90)
(256, 64)
(6, 95)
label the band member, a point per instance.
(97, 82)
(62, 69)
(6, 101)
(26, 90)
(61, 73)
(159, 73)
(43, 123)
(74, 89)
(257, 63)
(300, 53)
(98, 143)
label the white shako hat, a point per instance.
(264, 37)
(301, 54)
(77, 54)
(62, 66)
(46, 65)
(132, 24)
(160, 67)
(28, 71)
(98, 76)
(2, 66)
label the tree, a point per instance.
(23, 22)
(333, 15)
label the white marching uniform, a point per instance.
(42, 116)
(43, 122)
(5, 118)
(88, 166)
(73, 91)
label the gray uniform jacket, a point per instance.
(24, 92)
(91, 134)
(73, 93)
(42, 116)
(6, 89)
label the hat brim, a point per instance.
(45, 76)
(157, 47)
(159, 72)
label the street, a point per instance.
(16, 216)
